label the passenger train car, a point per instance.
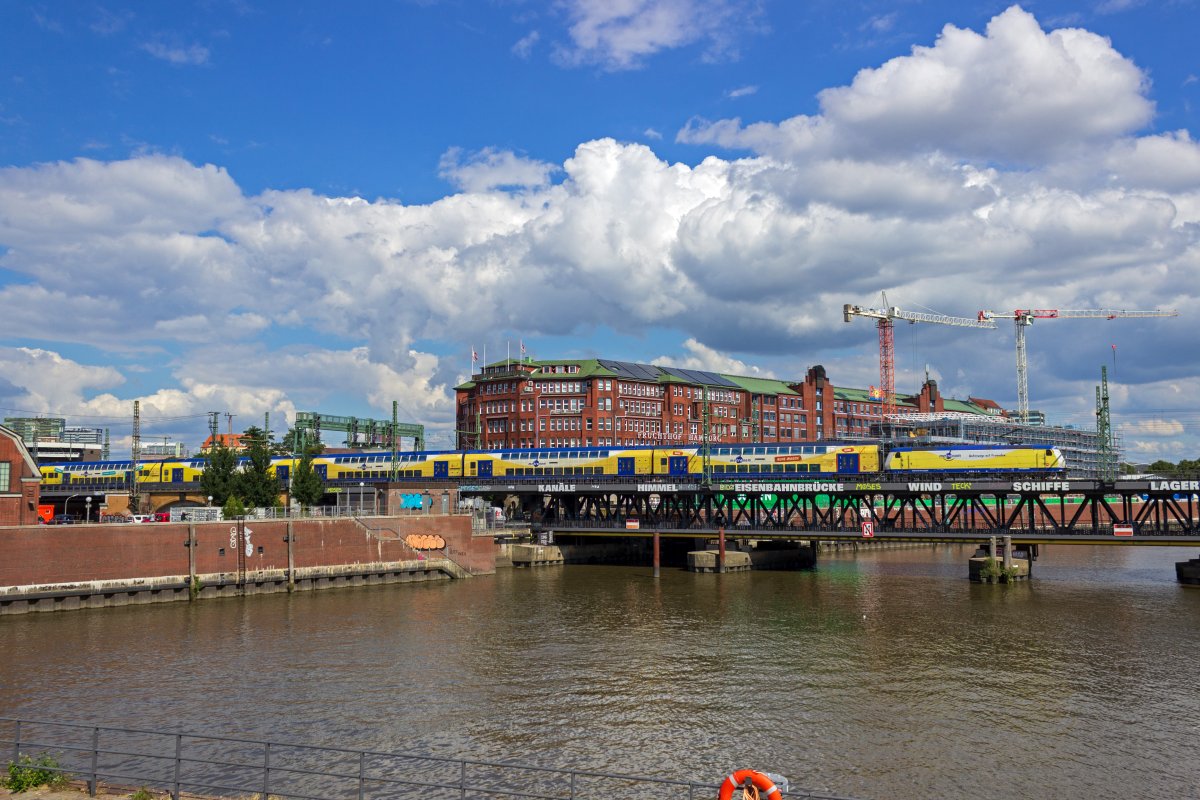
(787, 460)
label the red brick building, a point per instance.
(20, 481)
(601, 403)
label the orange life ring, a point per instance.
(759, 779)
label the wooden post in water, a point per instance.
(291, 555)
(1008, 556)
(191, 546)
(721, 549)
(656, 554)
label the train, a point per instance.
(736, 461)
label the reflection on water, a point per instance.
(882, 675)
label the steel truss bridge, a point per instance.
(1162, 512)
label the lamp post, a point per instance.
(67, 504)
(88, 506)
(208, 513)
(362, 494)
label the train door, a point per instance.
(485, 469)
(441, 469)
(322, 471)
(847, 462)
(177, 475)
(625, 466)
(282, 471)
(677, 465)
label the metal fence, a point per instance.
(199, 765)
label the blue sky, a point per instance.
(253, 206)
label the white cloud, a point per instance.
(193, 55)
(650, 133)
(489, 169)
(620, 34)
(1013, 94)
(1152, 427)
(524, 46)
(741, 91)
(705, 358)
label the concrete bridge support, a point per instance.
(1188, 572)
(994, 563)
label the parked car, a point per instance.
(62, 519)
(143, 518)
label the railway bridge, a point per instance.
(1022, 514)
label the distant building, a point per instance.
(47, 429)
(158, 450)
(231, 440)
(51, 439)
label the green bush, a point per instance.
(28, 772)
(994, 569)
(142, 794)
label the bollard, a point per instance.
(656, 554)
(721, 549)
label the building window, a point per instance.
(5, 477)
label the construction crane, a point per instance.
(887, 343)
(1023, 318)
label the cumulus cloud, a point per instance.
(1152, 427)
(702, 357)
(1014, 94)
(621, 34)
(489, 169)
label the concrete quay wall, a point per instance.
(78, 566)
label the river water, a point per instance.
(880, 675)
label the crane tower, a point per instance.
(1023, 318)
(887, 343)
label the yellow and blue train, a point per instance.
(784, 460)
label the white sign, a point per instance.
(868, 529)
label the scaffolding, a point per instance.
(1081, 448)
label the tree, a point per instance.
(297, 441)
(219, 478)
(256, 485)
(233, 508)
(307, 486)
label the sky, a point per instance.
(258, 207)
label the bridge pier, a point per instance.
(1188, 572)
(999, 564)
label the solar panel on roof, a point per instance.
(702, 377)
(628, 369)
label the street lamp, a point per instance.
(362, 493)
(88, 506)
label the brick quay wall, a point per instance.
(45, 567)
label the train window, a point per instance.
(758, 451)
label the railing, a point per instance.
(221, 766)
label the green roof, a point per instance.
(761, 385)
